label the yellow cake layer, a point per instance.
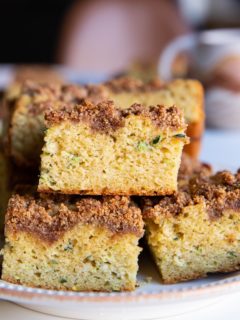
(136, 159)
(86, 258)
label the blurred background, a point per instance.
(98, 39)
(103, 35)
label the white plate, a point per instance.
(151, 300)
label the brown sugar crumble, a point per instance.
(128, 84)
(190, 167)
(102, 117)
(42, 95)
(32, 89)
(220, 192)
(49, 217)
(105, 116)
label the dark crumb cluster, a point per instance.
(190, 168)
(48, 217)
(105, 116)
(220, 192)
(45, 95)
(128, 84)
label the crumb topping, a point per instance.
(97, 93)
(128, 84)
(75, 94)
(190, 167)
(42, 95)
(49, 217)
(163, 117)
(220, 192)
(105, 116)
(167, 206)
(46, 90)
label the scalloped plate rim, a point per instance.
(229, 284)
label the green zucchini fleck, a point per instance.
(180, 135)
(198, 248)
(62, 280)
(142, 146)
(232, 254)
(68, 246)
(156, 140)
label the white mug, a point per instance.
(207, 49)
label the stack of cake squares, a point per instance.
(110, 168)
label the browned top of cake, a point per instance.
(39, 108)
(65, 92)
(42, 94)
(97, 93)
(31, 88)
(49, 217)
(73, 93)
(128, 84)
(65, 95)
(220, 192)
(106, 117)
(191, 167)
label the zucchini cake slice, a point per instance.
(187, 94)
(72, 242)
(101, 149)
(25, 112)
(196, 232)
(25, 129)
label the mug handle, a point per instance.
(182, 43)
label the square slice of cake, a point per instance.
(191, 234)
(24, 120)
(24, 113)
(72, 243)
(103, 150)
